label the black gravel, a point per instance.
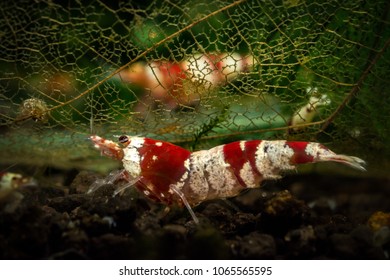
(299, 217)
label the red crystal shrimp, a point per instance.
(168, 81)
(171, 174)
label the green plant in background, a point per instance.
(66, 73)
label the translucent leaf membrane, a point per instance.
(197, 73)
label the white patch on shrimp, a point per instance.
(197, 183)
(242, 146)
(320, 153)
(132, 162)
(136, 142)
(180, 183)
(312, 149)
(211, 177)
(132, 159)
(185, 175)
(272, 157)
(246, 174)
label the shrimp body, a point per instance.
(172, 174)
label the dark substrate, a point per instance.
(298, 217)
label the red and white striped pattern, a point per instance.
(164, 79)
(171, 174)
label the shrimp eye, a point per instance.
(123, 139)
